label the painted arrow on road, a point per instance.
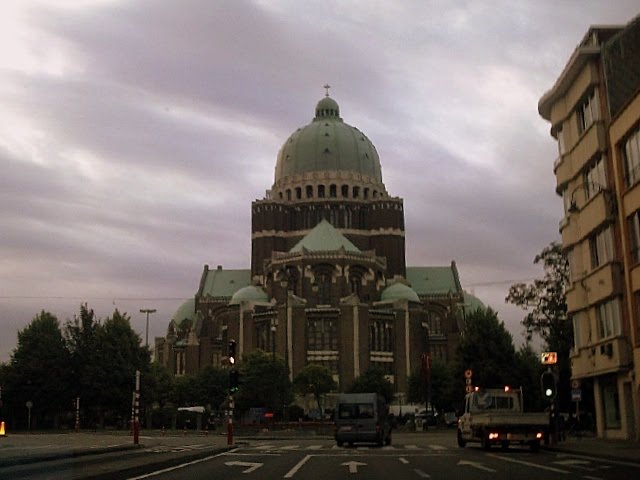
(353, 466)
(477, 465)
(252, 466)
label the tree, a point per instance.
(39, 372)
(545, 303)
(545, 300)
(263, 382)
(486, 347)
(446, 393)
(373, 381)
(316, 380)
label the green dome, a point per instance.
(186, 311)
(250, 293)
(328, 144)
(399, 291)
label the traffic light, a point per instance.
(232, 352)
(549, 385)
(234, 380)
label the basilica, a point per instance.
(328, 282)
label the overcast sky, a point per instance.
(135, 134)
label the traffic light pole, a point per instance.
(230, 422)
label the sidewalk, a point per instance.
(620, 450)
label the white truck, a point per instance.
(496, 417)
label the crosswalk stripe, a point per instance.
(411, 447)
(437, 447)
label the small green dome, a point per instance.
(399, 291)
(186, 311)
(250, 293)
(328, 144)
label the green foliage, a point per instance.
(487, 348)
(315, 380)
(373, 381)
(263, 382)
(545, 303)
(39, 372)
(446, 393)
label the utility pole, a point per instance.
(147, 311)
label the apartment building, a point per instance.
(594, 111)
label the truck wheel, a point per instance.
(461, 441)
(535, 446)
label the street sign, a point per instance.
(469, 388)
(468, 381)
(575, 384)
(549, 358)
(576, 395)
(468, 373)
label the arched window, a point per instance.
(333, 191)
(356, 192)
(309, 191)
(366, 193)
(298, 193)
(320, 191)
(288, 194)
(345, 191)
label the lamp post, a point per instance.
(273, 340)
(147, 311)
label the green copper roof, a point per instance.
(399, 291)
(472, 303)
(328, 144)
(433, 280)
(186, 311)
(224, 283)
(250, 293)
(324, 238)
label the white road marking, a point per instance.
(477, 465)
(403, 460)
(290, 447)
(176, 467)
(411, 447)
(437, 447)
(596, 459)
(265, 447)
(588, 477)
(297, 467)
(252, 466)
(353, 466)
(530, 464)
(421, 474)
(314, 447)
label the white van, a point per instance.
(362, 417)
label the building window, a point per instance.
(594, 178)
(631, 155)
(355, 282)
(587, 112)
(577, 337)
(323, 281)
(288, 194)
(309, 191)
(608, 318)
(298, 193)
(601, 247)
(561, 142)
(333, 193)
(320, 191)
(356, 192)
(180, 367)
(438, 352)
(435, 325)
(322, 334)
(345, 191)
(634, 232)
(381, 336)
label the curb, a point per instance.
(62, 455)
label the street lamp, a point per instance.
(285, 278)
(273, 340)
(147, 311)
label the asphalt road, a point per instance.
(411, 456)
(435, 457)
